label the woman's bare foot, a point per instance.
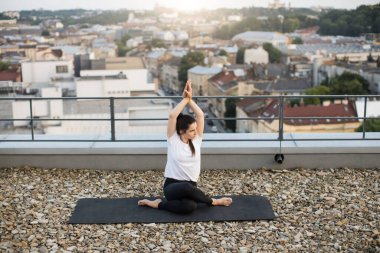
(150, 203)
(222, 202)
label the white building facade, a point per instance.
(45, 71)
(113, 83)
(256, 55)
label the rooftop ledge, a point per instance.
(227, 150)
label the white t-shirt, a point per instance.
(181, 164)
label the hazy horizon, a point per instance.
(17, 5)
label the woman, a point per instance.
(182, 169)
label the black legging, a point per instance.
(182, 196)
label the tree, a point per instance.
(297, 40)
(370, 58)
(371, 125)
(274, 53)
(290, 25)
(4, 65)
(121, 49)
(223, 52)
(230, 104)
(352, 87)
(45, 33)
(347, 84)
(319, 90)
(191, 59)
(240, 56)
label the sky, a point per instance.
(7, 5)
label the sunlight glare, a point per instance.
(187, 5)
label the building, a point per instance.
(10, 75)
(49, 108)
(113, 83)
(256, 55)
(155, 59)
(225, 83)
(45, 71)
(370, 72)
(268, 110)
(258, 37)
(169, 74)
(199, 76)
(231, 53)
(103, 127)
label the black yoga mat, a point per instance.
(126, 210)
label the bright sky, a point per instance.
(6, 5)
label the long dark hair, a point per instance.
(183, 123)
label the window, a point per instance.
(61, 69)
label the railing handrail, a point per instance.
(194, 97)
(281, 99)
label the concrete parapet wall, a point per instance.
(219, 151)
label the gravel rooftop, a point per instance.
(318, 210)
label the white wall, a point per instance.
(50, 108)
(43, 71)
(137, 80)
(21, 110)
(258, 55)
(103, 127)
(90, 88)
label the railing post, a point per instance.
(112, 112)
(31, 118)
(280, 121)
(365, 115)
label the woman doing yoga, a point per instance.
(182, 169)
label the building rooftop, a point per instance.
(117, 63)
(265, 109)
(205, 70)
(298, 85)
(327, 48)
(259, 36)
(326, 210)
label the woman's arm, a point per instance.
(199, 117)
(198, 112)
(174, 114)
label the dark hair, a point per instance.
(183, 123)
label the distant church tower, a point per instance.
(276, 4)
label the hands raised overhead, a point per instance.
(188, 91)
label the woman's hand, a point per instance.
(188, 91)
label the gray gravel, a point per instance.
(323, 210)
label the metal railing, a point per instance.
(282, 101)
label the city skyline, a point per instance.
(17, 5)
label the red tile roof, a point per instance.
(8, 75)
(272, 110)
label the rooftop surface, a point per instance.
(318, 210)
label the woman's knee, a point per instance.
(188, 206)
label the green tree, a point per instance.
(4, 65)
(121, 49)
(274, 53)
(319, 90)
(223, 52)
(290, 25)
(230, 104)
(345, 87)
(370, 58)
(336, 84)
(297, 40)
(190, 60)
(240, 56)
(371, 125)
(45, 33)
(223, 33)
